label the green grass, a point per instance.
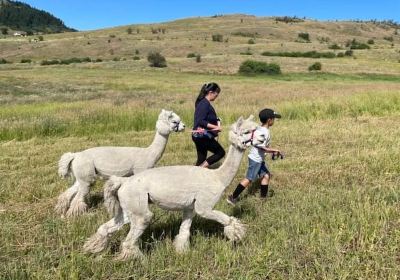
(336, 205)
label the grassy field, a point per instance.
(336, 209)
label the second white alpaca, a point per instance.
(191, 189)
(104, 162)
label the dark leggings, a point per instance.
(206, 144)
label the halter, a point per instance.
(176, 127)
(251, 138)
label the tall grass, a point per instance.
(22, 122)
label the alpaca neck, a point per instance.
(157, 147)
(229, 168)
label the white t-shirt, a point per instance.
(255, 153)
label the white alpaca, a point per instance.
(191, 189)
(104, 162)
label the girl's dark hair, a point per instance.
(205, 89)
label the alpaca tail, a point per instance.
(111, 188)
(64, 164)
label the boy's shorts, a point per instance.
(256, 170)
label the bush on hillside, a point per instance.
(304, 36)
(136, 57)
(348, 53)
(25, 60)
(50, 62)
(388, 38)
(317, 66)
(355, 45)
(334, 47)
(75, 60)
(310, 54)
(370, 42)
(217, 38)
(191, 55)
(3, 61)
(251, 41)
(259, 67)
(156, 60)
(198, 58)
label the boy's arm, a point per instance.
(269, 150)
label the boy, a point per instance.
(257, 167)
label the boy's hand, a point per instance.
(277, 154)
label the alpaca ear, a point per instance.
(239, 123)
(250, 118)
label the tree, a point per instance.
(4, 30)
(156, 60)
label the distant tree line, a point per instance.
(20, 16)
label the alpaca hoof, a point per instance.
(128, 253)
(77, 209)
(235, 231)
(181, 244)
(62, 206)
(95, 244)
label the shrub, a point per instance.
(136, 57)
(287, 19)
(317, 66)
(390, 39)
(41, 38)
(137, 51)
(4, 30)
(217, 38)
(370, 42)
(348, 53)
(334, 47)
(310, 54)
(259, 67)
(129, 30)
(304, 36)
(251, 41)
(156, 60)
(50, 62)
(75, 60)
(355, 45)
(25, 60)
(198, 58)
(116, 59)
(97, 60)
(340, 54)
(191, 55)
(3, 61)
(246, 34)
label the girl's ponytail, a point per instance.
(205, 89)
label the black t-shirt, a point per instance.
(205, 114)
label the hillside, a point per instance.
(19, 16)
(243, 37)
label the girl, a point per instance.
(207, 126)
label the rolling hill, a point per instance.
(241, 37)
(18, 16)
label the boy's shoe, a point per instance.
(232, 201)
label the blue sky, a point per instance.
(89, 15)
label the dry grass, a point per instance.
(335, 213)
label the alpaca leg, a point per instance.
(181, 241)
(78, 204)
(234, 230)
(65, 198)
(139, 216)
(98, 241)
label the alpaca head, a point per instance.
(169, 122)
(241, 133)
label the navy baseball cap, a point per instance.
(266, 114)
